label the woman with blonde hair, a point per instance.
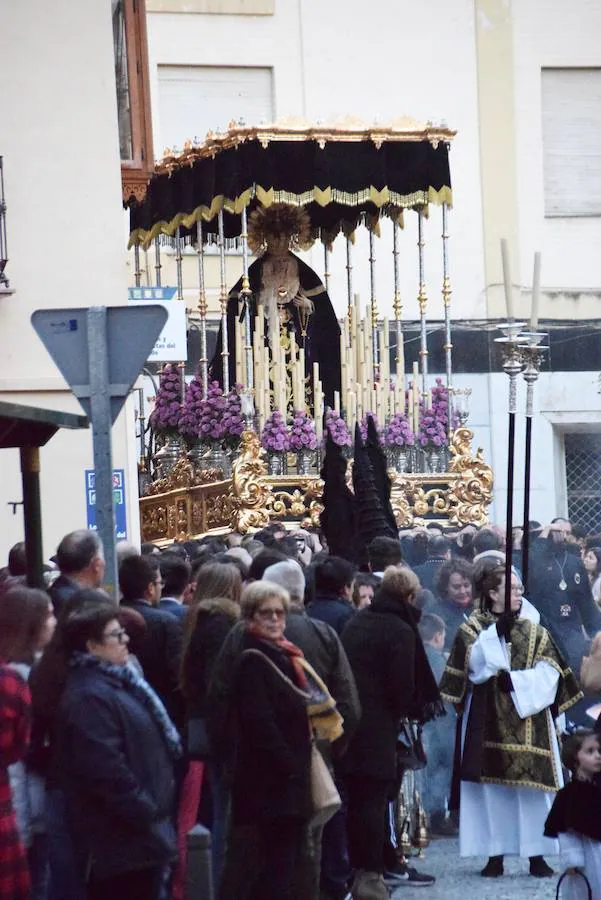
(271, 802)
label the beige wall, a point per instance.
(65, 231)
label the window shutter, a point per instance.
(196, 99)
(571, 113)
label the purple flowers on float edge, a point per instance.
(233, 420)
(434, 422)
(204, 419)
(166, 415)
(337, 428)
(302, 432)
(274, 436)
(399, 433)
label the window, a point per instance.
(583, 475)
(196, 99)
(571, 120)
(133, 96)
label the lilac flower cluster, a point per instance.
(434, 422)
(399, 432)
(302, 432)
(189, 423)
(274, 437)
(233, 421)
(337, 428)
(211, 415)
(167, 411)
(363, 426)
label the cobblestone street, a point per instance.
(459, 879)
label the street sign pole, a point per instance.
(100, 400)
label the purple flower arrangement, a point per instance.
(189, 423)
(211, 414)
(167, 411)
(434, 422)
(399, 433)
(233, 420)
(274, 436)
(302, 432)
(337, 428)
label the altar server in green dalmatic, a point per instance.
(509, 682)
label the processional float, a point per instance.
(286, 368)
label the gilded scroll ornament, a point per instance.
(472, 491)
(252, 496)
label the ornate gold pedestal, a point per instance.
(187, 504)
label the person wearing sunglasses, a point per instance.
(118, 749)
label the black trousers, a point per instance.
(261, 860)
(366, 821)
(138, 884)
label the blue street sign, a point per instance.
(151, 293)
(118, 499)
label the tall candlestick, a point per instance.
(507, 279)
(535, 293)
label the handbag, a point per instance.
(410, 748)
(325, 798)
(199, 743)
(573, 875)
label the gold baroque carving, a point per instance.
(460, 496)
(252, 496)
(184, 475)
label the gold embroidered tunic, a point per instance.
(517, 749)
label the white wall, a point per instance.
(552, 33)
(65, 232)
(375, 61)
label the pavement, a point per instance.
(460, 879)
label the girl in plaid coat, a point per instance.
(26, 622)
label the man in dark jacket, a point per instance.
(381, 648)
(439, 551)
(80, 558)
(333, 593)
(159, 650)
(175, 572)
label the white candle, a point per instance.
(507, 279)
(535, 293)
(337, 402)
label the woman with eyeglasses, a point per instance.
(270, 784)
(118, 748)
(507, 680)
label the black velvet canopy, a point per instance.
(342, 177)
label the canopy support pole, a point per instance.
(399, 362)
(349, 290)
(247, 401)
(422, 299)
(225, 352)
(202, 310)
(446, 299)
(374, 310)
(157, 261)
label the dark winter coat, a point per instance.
(325, 653)
(159, 653)
(60, 591)
(215, 619)
(117, 774)
(380, 647)
(271, 772)
(334, 611)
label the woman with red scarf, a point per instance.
(271, 802)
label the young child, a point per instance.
(575, 816)
(439, 735)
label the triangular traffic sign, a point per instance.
(131, 333)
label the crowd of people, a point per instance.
(203, 695)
